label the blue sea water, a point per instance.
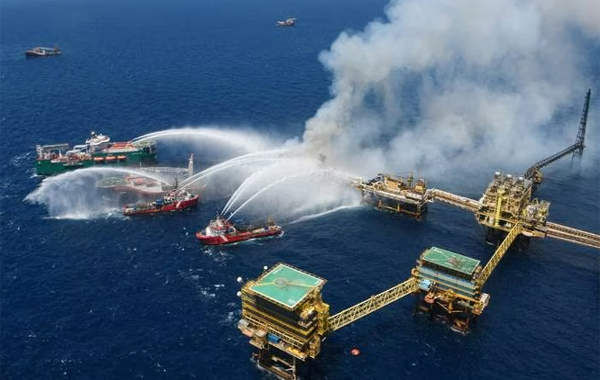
(116, 298)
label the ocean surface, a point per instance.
(106, 297)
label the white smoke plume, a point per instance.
(457, 84)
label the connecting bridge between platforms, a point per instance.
(286, 319)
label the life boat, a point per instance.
(121, 158)
(429, 298)
(98, 159)
(111, 158)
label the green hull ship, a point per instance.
(97, 151)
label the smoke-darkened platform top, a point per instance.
(453, 261)
(286, 285)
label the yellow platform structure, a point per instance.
(395, 194)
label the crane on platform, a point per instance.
(284, 314)
(506, 202)
(286, 319)
(534, 173)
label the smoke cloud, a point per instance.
(454, 84)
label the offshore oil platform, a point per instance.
(396, 194)
(286, 319)
(406, 196)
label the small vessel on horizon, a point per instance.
(58, 158)
(291, 21)
(42, 52)
(221, 231)
(174, 200)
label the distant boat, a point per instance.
(42, 52)
(289, 22)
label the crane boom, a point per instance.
(372, 304)
(583, 123)
(576, 148)
(548, 160)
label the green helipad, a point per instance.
(450, 260)
(286, 285)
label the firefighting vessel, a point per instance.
(222, 231)
(174, 200)
(97, 150)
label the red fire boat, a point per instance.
(174, 200)
(222, 231)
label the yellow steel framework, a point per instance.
(372, 304)
(573, 235)
(534, 172)
(463, 203)
(498, 213)
(273, 329)
(395, 194)
(499, 254)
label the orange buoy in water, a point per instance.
(355, 352)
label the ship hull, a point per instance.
(154, 209)
(240, 236)
(53, 167)
(33, 54)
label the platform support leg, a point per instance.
(281, 365)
